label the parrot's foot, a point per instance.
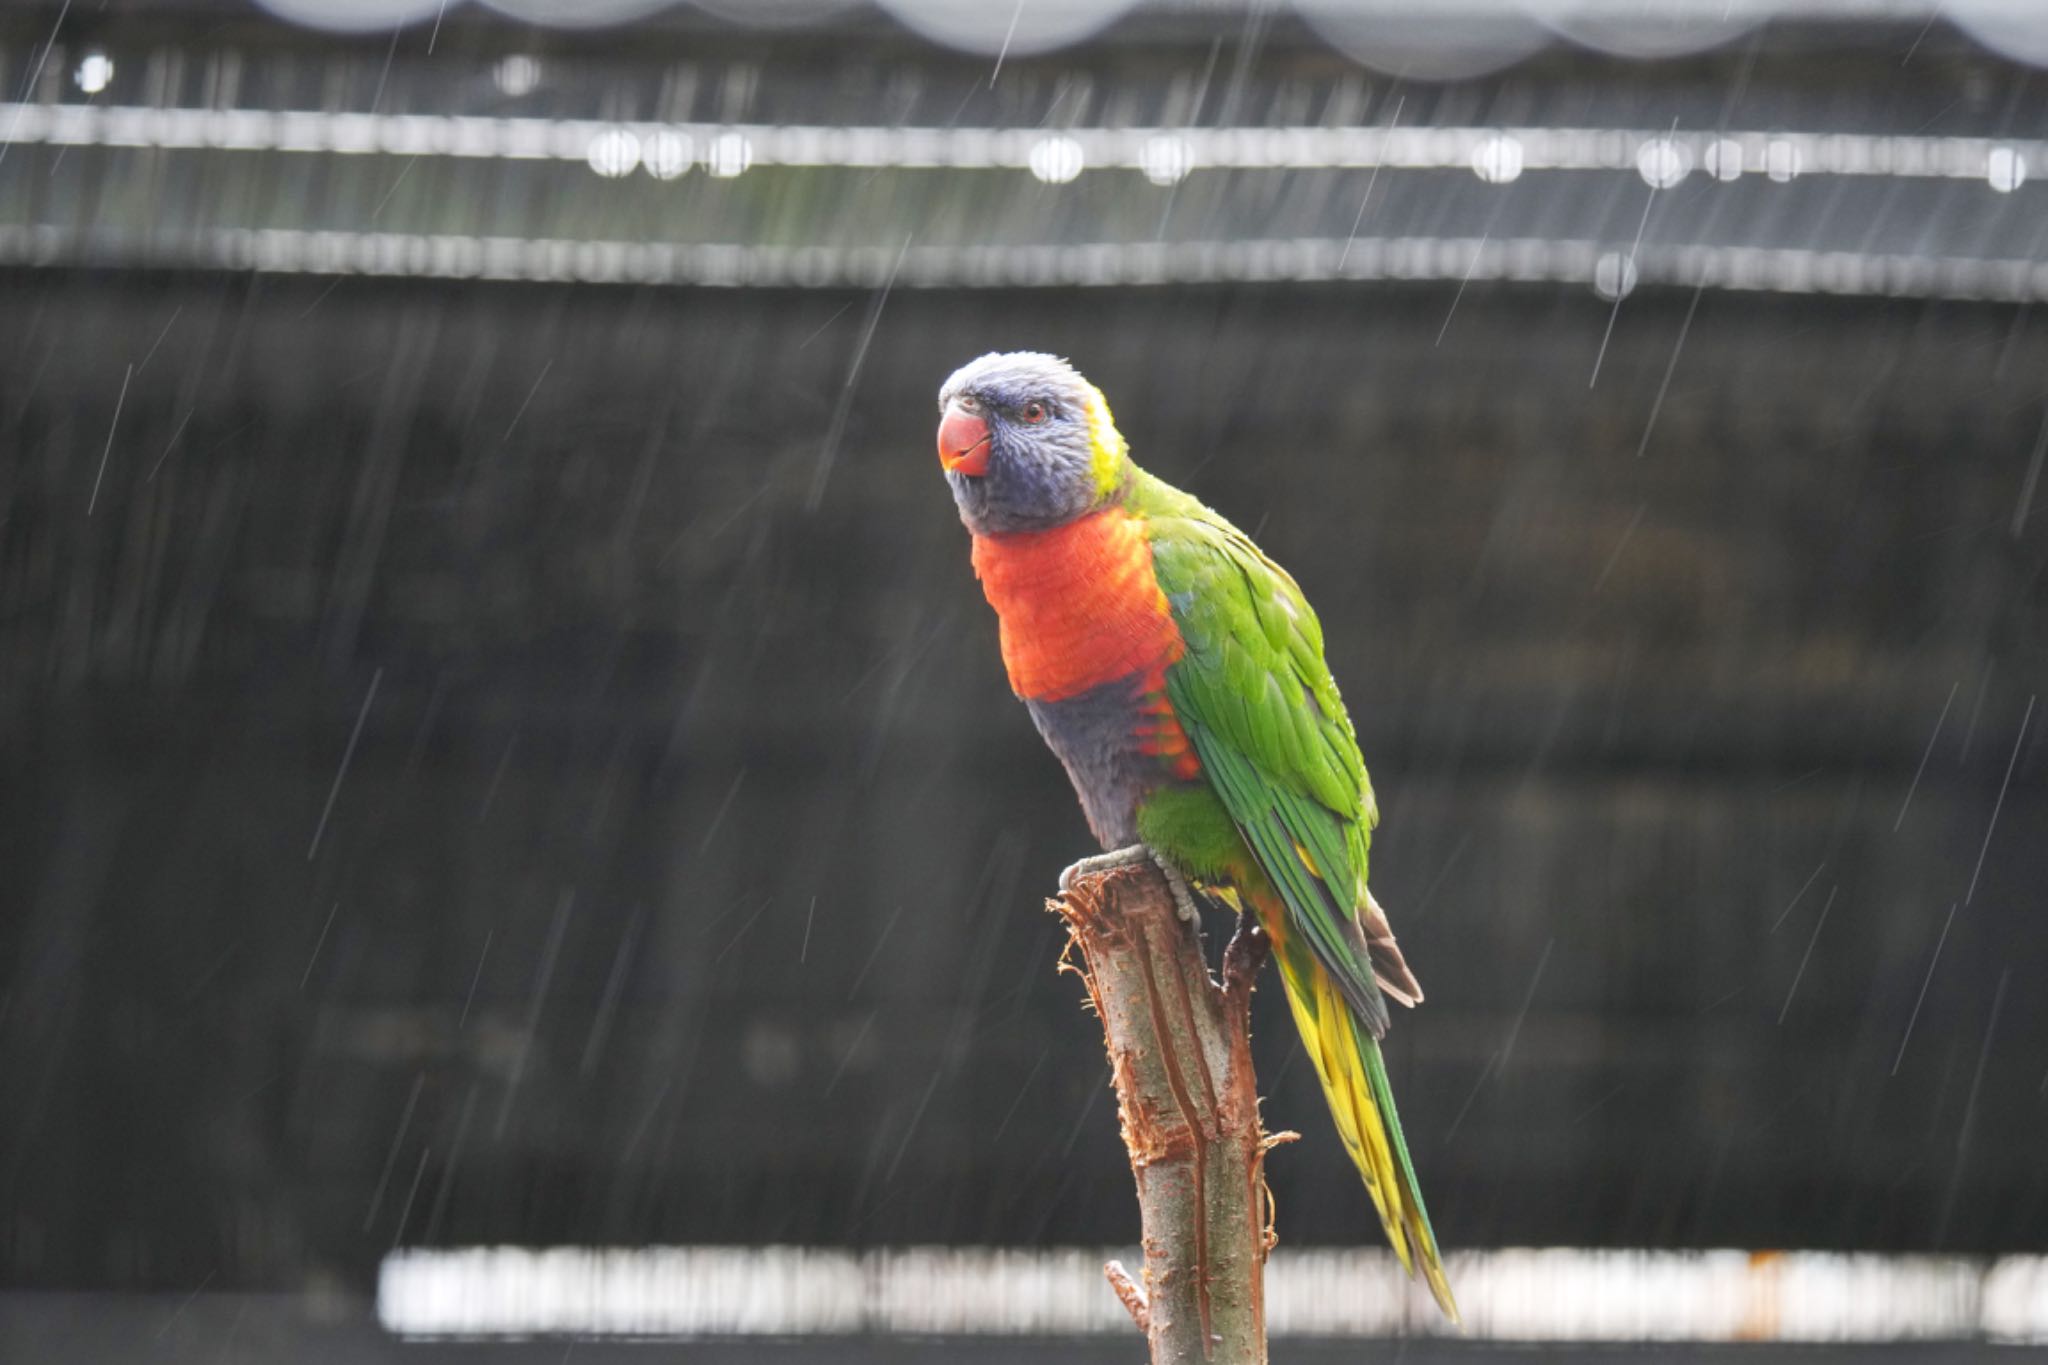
(1136, 855)
(1248, 950)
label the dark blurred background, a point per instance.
(500, 742)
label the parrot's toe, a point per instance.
(1183, 895)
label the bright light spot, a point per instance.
(1723, 159)
(94, 72)
(1781, 159)
(516, 75)
(614, 152)
(1497, 159)
(1663, 163)
(729, 154)
(1056, 160)
(1165, 160)
(666, 155)
(2006, 169)
(1614, 276)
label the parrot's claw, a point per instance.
(1137, 855)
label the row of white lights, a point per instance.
(1508, 1295)
(1165, 156)
(514, 75)
(1610, 272)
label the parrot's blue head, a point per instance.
(1026, 443)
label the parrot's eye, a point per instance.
(1034, 413)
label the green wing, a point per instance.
(1259, 705)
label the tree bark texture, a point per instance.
(1180, 1056)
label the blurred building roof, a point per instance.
(1870, 148)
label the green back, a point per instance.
(1258, 703)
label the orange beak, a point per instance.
(963, 442)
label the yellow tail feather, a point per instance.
(1347, 1061)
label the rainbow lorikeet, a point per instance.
(1178, 674)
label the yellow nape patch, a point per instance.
(1107, 443)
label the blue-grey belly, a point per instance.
(1095, 736)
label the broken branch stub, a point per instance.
(1180, 1056)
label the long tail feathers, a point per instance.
(1354, 1077)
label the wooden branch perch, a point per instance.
(1180, 1055)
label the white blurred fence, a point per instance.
(1557, 1294)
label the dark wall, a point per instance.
(679, 853)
